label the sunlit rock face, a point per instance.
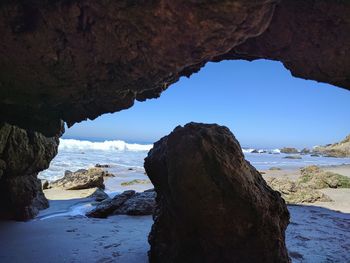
(22, 155)
(213, 206)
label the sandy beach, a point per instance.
(317, 232)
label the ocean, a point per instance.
(126, 159)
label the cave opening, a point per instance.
(265, 107)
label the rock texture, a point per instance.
(289, 150)
(127, 203)
(77, 59)
(212, 205)
(81, 179)
(316, 178)
(22, 156)
(295, 193)
(339, 149)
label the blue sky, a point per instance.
(260, 101)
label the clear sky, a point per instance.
(260, 101)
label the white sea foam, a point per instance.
(72, 144)
(249, 150)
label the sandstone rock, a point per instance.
(289, 150)
(212, 205)
(23, 155)
(99, 195)
(81, 179)
(294, 193)
(339, 149)
(108, 206)
(316, 178)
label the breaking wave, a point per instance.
(118, 145)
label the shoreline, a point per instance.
(316, 233)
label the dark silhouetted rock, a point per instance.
(108, 206)
(23, 155)
(99, 195)
(127, 203)
(102, 165)
(45, 184)
(139, 204)
(212, 205)
(55, 58)
(81, 179)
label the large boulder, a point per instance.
(23, 155)
(212, 205)
(81, 179)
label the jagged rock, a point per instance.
(289, 150)
(294, 193)
(139, 204)
(212, 205)
(108, 206)
(316, 178)
(99, 195)
(23, 155)
(339, 149)
(81, 179)
(127, 203)
(55, 58)
(45, 184)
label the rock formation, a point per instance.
(295, 193)
(316, 178)
(127, 203)
(212, 205)
(76, 59)
(289, 150)
(73, 60)
(339, 149)
(22, 156)
(81, 179)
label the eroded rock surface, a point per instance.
(339, 149)
(295, 193)
(73, 60)
(81, 179)
(22, 156)
(212, 205)
(127, 203)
